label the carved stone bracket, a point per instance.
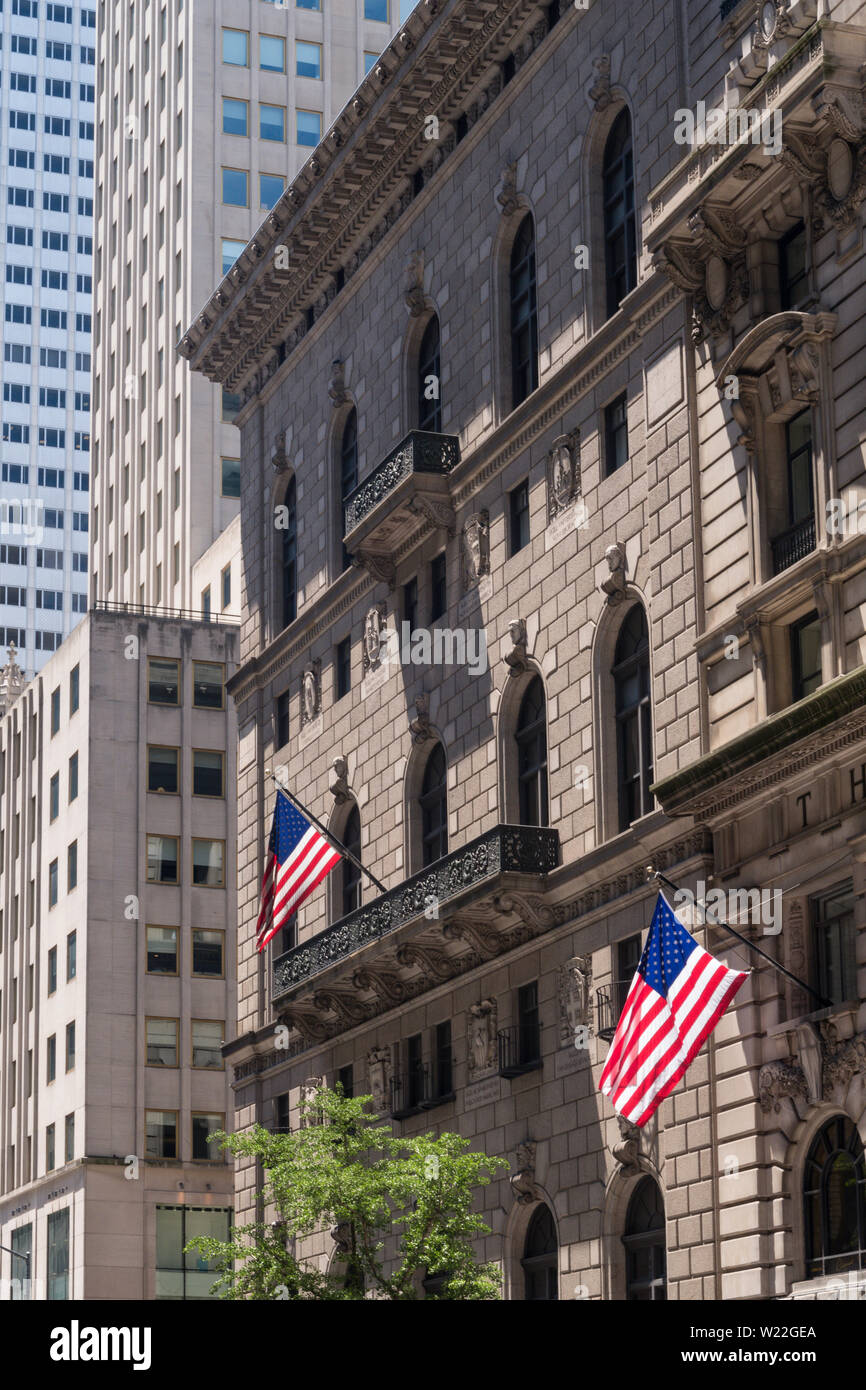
(615, 584)
(434, 965)
(339, 788)
(530, 908)
(516, 660)
(420, 728)
(600, 93)
(279, 458)
(337, 385)
(386, 985)
(826, 1063)
(487, 943)
(626, 1151)
(379, 567)
(522, 1180)
(413, 285)
(439, 514)
(712, 269)
(506, 191)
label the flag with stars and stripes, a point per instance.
(299, 857)
(676, 998)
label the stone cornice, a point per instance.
(825, 722)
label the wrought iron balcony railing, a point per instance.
(793, 545)
(522, 849)
(609, 1004)
(519, 1049)
(421, 452)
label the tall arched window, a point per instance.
(524, 313)
(541, 1257)
(348, 473)
(290, 557)
(644, 1241)
(531, 737)
(631, 679)
(351, 887)
(619, 220)
(429, 388)
(834, 1200)
(434, 808)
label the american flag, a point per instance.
(299, 857)
(675, 1000)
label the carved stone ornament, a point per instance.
(575, 996)
(712, 269)
(379, 1078)
(614, 585)
(826, 1064)
(11, 679)
(337, 385)
(309, 1087)
(563, 474)
(522, 1180)
(506, 190)
(481, 1038)
(311, 692)
(515, 659)
(626, 1151)
(599, 92)
(341, 1235)
(379, 567)
(279, 458)
(420, 727)
(374, 627)
(339, 788)
(413, 285)
(475, 549)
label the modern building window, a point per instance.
(236, 116)
(160, 1134)
(805, 637)
(207, 1041)
(52, 970)
(207, 772)
(531, 737)
(272, 53)
(208, 953)
(163, 681)
(308, 128)
(161, 950)
(208, 863)
(162, 859)
(351, 885)
(181, 1273)
(433, 802)
(73, 777)
(58, 1248)
(308, 59)
(236, 47)
(202, 1126)
(161, 1041)
(540, 1260)
(633, 718)
(162, 769)
(289, 548)
(70, 1046)
(834, 1200)
(793, 272)
(236, 187)
(443, 1080)
(524, 314)
(230, 251)
(55, 711)
(230, 485)
(51, 1059)
(429, 379)
(376, 10)
(343, 667)
(69, 1138)
(799, 538)
(410, 603)
(226, 587)
(50, 1154)
(281, 719)
(54, 797)
(72, 866)
(615, 434)
(74, 683)
(71, 955)
(208, 684)
(438, 587)
(833, 944)
(53, 883)
(518, 515)
(619, 219)
(644, 1241)
(370, 61)
(271, 189)
(272, 122)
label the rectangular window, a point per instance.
(55, 711)
(529, 1045)
(226, 587)
(181, 1273)
(52, 970)
(53, 883)
(161, 950)
(798, 450)
(438, 595)
(235, 116)
(54, 797)
(231, 477)
(231, 404)
(236, 43)
(162, 769)
(69, 1138)
(207, 773)
(519, 517)
(161, 1040)
(343, 667)
(208, 863)
(444, 1060)
(74, 683)
(346, 1080)
(71, 955)
(281, 719)
(50, 1157)
(805, 656)
(308, 128)
(73, 778)
(51, 1059)
(833, 938)
(58, 1246)
(72, 866)
(376, 10)
(205, 602)
(207, 1041)
(615, 434)
(230, 252)
(271, 188)
(308, 59)
(202, 1126)
(628, 954)
(208, 684)
(208, 951)
(235, 191)
(793, 275)
(70, 1046)
(280, 1121)
(160, 1128)
(162, 859)
(272, 53)
(163, 681)
(272, 123)
(410, 603)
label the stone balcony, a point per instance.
(409, 487)
(475, 903)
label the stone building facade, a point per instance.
(543, 405)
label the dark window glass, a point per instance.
(541, 1258)
(434, 808)
(834, 1200)
(519, 515)
(414, 1071)
(805, 656)
(619, 220)
(281, 1124)
(183, 1274)
(628, 954)
(793, 277)
(833, 938)
(531, 739)
(348, 471)
(444, 1059)
(207, 684)
(524, 314)
(163, 680)
(282, 719)
(346, 1079)
(207, 952)
(343, 667)
(798, 451)
(351, 895)
(634, 718)
(58, 1255)
(438, 597)
(529, 1042)
(644, 1241)
(429, 404)
(289, 934)
(410, 603)
(615, 434)
(162, 769)
(162, 950)
(290, 557)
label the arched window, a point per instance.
(541, 1257)
(524, 314)
(834, 1200)
(531, 740)
(429, 390)
(290, 557)
(351, 838)
(434, 808)
(644, 1241)
(633, 717)
(619, 221)
(348, 473)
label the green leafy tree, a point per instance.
(398, 1208)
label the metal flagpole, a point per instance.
(825, 1003)
(332, 839)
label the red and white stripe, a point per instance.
(285, 886)
(657, 1038)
